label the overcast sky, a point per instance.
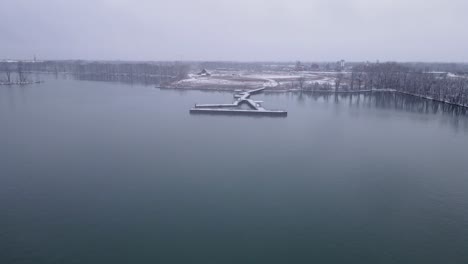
(246, 30)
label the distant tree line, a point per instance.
(458, 68)
(141, 72)
(232, 66)
(441, 86)
(13, 73)
(403, 78)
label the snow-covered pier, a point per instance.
(234, 108)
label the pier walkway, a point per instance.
(241, 98)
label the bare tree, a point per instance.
(22, 76)
(292, 85)
(299, 66)
(301, 82)
(338, 79)
(7, 69)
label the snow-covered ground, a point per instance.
(225, 80)
(449, 74)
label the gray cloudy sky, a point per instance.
(309, 30)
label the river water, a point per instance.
(97, 172)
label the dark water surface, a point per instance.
(95, 172)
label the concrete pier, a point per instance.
(278, 113)
(234, 108)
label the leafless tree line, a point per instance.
(141, 72)
(10, 70)
(132, 72)
(434, 85)
(402, 78)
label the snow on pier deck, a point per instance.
(221, 111)
(242, 98)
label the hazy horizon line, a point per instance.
(231, 61)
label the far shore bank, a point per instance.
(329, 92)
(19, 83)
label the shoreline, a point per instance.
(317, 91)
(267, 89)
(20, 83)
(432, 99)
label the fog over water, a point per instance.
(318, 30)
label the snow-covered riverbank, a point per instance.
(19, 83)
(233, 80)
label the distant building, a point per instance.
(204, 72)
(299, 66)
(340, 65)
(314, 67)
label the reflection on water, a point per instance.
(100, 172)
(388, 100)
(455, 116)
